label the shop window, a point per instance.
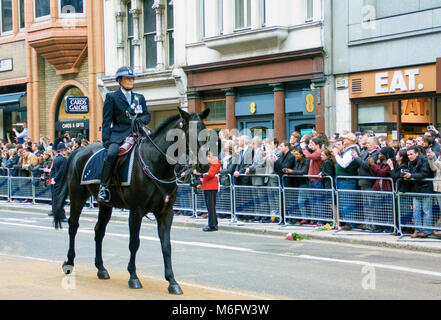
(218, 115)
(242, 14)
(150, 34)
(41, 8)
(6, 9)
(69, 7)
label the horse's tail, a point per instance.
(60, 199)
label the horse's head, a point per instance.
(196, 136)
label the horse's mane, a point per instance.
(164, 124)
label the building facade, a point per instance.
(257, 64)
(251, 62)
(385, 66)
(141, 34)
(51, 50)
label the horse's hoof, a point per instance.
(103, 274)
(175, 289)
(67, 268)
(135, 284)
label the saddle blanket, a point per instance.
(93, 169)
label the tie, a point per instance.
(241, 156)
(128, 97)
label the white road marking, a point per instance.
(248, 250)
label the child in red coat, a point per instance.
(210, 186)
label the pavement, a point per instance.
(386, 240)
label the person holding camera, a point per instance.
(210, 186)
(419, 169)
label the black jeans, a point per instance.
(210, 201)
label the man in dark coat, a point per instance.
(57, 173)
(419, 169)
(123, 112)
(284, 163)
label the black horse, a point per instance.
(153, 189)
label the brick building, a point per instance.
(50, 50)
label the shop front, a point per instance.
(13, 113)
(269, 95)
(73, 114)
(397, 103)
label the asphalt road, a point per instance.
(221, 265)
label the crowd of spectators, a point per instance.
(22, 157)
(360, 154)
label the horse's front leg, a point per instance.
(104, 215)
(164, 226)
(134, 226)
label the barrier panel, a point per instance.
(42, 191)
(4, 188)
(21, 188)
(184, 198)
(263, 201)
(419, 211)
(367, 207)
(308, 203)
(224, 199)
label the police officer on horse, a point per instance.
(124, 112)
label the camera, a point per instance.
(195, 182)
(403, 172)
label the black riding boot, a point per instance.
(104, 193)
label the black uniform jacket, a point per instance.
(116, 124)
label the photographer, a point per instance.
(419, 169)
(210, 186)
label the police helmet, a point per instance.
(61, 147)
(124, 72)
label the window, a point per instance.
(71, 6)
(217, 110)
(130, 35)
(21, 14)
(6, 7)
(242, 14)
(309, 10)
(150, 34)
(170, 30)
(41, 8)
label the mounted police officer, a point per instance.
(123, 113)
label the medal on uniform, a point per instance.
(138, 107)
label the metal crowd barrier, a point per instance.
(365, 207)
(306, 203)
(342, 203)
(419, 211)
(184, 198)
(263, 201)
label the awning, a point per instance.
(11, 101)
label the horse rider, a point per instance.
(124, 112)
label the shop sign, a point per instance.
(418, 79)
(72, 125)
(253, 108)
(310, 103)
(76, 105)
(6, 65)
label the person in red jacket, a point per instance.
(210, 186)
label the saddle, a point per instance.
(128, 144)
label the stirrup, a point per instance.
(104, 194)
